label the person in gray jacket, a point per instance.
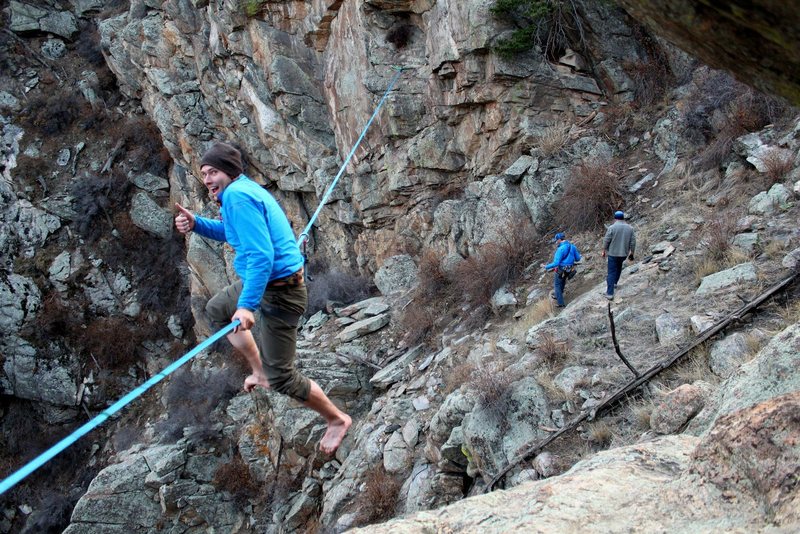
(618, 244)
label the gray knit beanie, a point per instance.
(224, 157)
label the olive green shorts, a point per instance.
(275, 332)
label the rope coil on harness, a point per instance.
(99, 419)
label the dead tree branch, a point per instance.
(616, 343)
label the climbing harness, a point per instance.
(99, 419)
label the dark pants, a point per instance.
(559, 282)
(275, 336)
(614, 272)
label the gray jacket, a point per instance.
(620, 239)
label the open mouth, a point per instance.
(213, 189)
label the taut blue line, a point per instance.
(304, 235)
(47, 455)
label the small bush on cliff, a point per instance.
(592, 193)
(468, 287)
(334, 285)
(719, 109)
(553, 25)
(378, 500)
(54, 114)
(235, 478)
(192, 396)
(253, 8)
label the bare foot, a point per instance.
(335, 434)
(255, 380)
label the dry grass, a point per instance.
(554, 139)
(641, 410)
(718, 236)
(753, 342)
(790, 312)
(544, 377)
(694, 367)
(775, 249)
(456, 376)
(599, 433)
(592, 193)
(705, 265)
(537, 312)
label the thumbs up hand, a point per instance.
(184, 221)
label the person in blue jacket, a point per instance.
(270, 293)
(563, 265)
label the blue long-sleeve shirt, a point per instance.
(257, 228)
(565, 256)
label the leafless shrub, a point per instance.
(114, 342)
(192, 396)
(431, 301)
(494, 265)
(55, 113)
(778, 165)
(55, 319)
(377, 502)
(145, 145)
(652, 76)
(400, 35)
(492, 382)
(88, 45)
(552, 351)
(593, 191)
(334, 285)
(235, 478)
(52, 514)
(125, 437)
(95, 196)
(743, 109)
(718, 235)
(471, 284)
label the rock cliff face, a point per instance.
(295, 83)
(470, 151)
(757, 41)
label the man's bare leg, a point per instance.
(338, 421)
(243, 342)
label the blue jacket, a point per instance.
(257, 228)
(565, 256)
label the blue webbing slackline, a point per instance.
(47, 455)
(304, 235)
(40, 460)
